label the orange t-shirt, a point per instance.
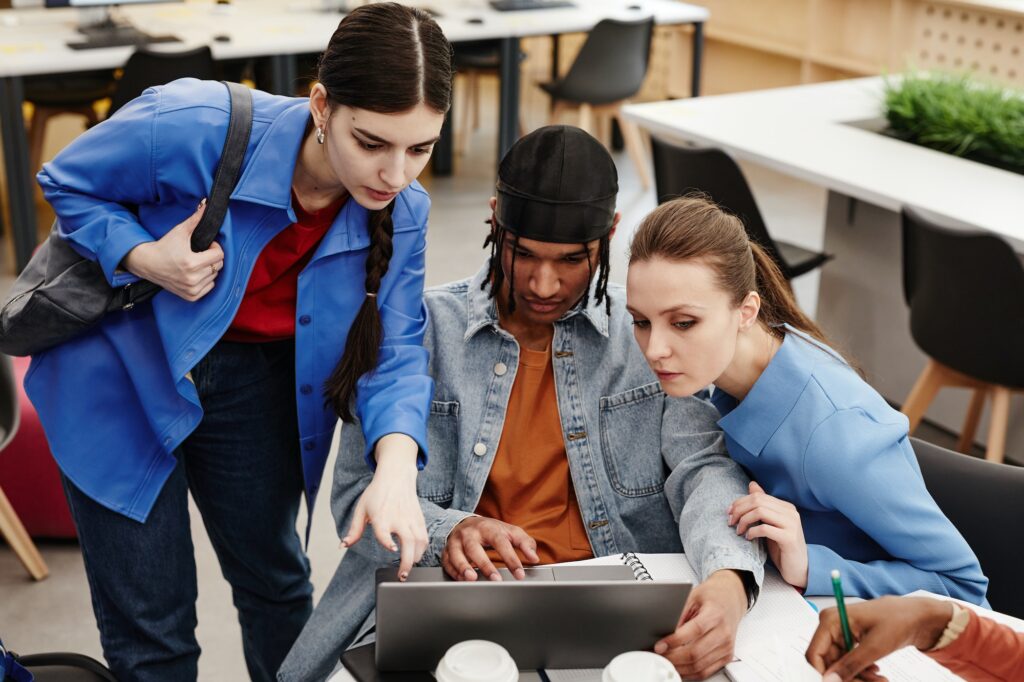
(529, 484)
(986, 651)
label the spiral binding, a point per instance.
(639, 570)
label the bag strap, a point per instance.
(229, 168)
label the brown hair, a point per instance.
(695, 227)
(386, 58)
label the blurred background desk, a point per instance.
(33, 41)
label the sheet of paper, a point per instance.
(1016, 624)
(574, 675)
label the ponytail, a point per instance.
(778, 305)
(362, 347)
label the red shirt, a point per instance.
(267, 312)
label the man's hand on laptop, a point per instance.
(706, 634)
(468, 544)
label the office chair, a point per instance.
(146, 68)
(965, 314)
(11, 527)
(609, 69)
(985, 501)
(678, 170)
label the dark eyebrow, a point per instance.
(682, 307)
(376, 138)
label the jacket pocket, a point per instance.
(436, 482)
(631, 440)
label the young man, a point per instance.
(550, 438)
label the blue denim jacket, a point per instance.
(651, 473)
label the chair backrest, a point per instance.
(612, 64)
(678, 170)
(985, 501)
(963, 289)
(65, 667)
(145, 69)
(10, 410)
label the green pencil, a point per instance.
(837, 588)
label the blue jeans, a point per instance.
(243, 468)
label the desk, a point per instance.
(805, 132)
(35, 44)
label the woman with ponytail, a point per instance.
(835, 484)
(229, 384)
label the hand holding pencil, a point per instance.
(877, 627)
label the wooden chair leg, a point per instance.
(922, 394)
(971, 421)
(997, 426)
(635, 146)
(18, 538)
(36, 138)
(475, 80)
(587, 118)
(468, 93)
(557, 111)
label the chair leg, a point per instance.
(475, 80)
(36, 137)
(997, 427)
(464, 123)
(923, 393)
(18, 538)
(557, 111)
(587, 118)
(971, 421)
(635, 146)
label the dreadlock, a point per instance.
(496, 276)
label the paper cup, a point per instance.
(639, 666)
(477, 660)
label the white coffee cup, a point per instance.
(639, 666)
(477, 660)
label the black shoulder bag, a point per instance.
(60, 294)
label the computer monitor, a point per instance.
(103, 28)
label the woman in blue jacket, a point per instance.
(837, 483)
(230, 383)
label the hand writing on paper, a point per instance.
(880, 626)
(171, 263)
(469, 541)
(759, 515)
(706, 634)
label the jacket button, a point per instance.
(500, 369)
(310, 445)
(305, 389)
(305, 319)
(479, 449)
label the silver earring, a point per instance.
(320, 134)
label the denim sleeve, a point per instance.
(395, 397)
(861, 468)
(93, 183)
(702, 484)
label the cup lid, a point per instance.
(639, 666)
(477, 660)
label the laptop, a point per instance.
(557, 617)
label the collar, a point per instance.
(483, 310)
(757, 417)
(267, 178)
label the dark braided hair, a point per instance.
(496, 275)
(386, 58)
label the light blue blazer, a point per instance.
(812, 432)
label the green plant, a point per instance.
(960, 116)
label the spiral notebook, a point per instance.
(772, 637)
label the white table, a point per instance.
(34, 42)
(806, 132)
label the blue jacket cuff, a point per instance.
(116, 247)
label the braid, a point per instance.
(603, 270)
(362, 346)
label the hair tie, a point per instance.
(369, 295)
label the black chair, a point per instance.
(65, 667)
(52, 95)
(146, 68)
(678, 170)
(966, 315)
(609, 69)
(985, 501)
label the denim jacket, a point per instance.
(651, 473)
